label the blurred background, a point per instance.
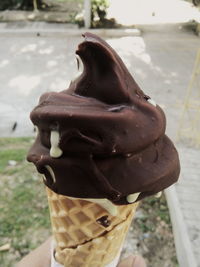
(159, 41)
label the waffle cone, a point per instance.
(80, 240)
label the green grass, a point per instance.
(12, 149)
(19, 142)
(16, 155)
(152, 204)
(153, 208)
(24, 216)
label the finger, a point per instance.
(40, 257)
(128, 262)
(132, 261)
(138, 262)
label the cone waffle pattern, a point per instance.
(80, 240)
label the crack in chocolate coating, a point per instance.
(112, 139)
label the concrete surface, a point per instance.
(43, 29)
(161, 62)
(183, 201)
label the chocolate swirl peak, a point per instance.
(103, 138)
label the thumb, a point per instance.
(132, 261)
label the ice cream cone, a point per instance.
(85, 233)
(108, 136)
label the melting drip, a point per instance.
(159, 194)
(103, 202)
(152, 102)
(80, 66)
(132, 197)
(51, 173)
(55, 151)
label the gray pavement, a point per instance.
(161, 62)
(188, 191)
(184, 202)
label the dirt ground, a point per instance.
(150, 234)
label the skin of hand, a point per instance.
(132, 261)
(41, 257)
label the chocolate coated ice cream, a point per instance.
(103, 138)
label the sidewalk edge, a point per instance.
(183, 244)
(69, 32)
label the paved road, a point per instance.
(30, 66)
(189, 196)
(161, 62)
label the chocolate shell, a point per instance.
(103, 137)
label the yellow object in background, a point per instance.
(189, 127)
